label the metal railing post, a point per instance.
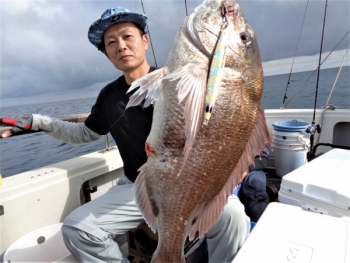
(108, 142)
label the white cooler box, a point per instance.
(286, 233)
(321, 186)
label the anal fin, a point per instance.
(143, 200)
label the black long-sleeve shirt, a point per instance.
(129, 128)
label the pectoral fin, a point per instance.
(191, 86)
(150, 88)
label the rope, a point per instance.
(302, 86)
(150, 39)
(336, 79)
(301, 28)
(186, 7)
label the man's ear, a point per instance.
(145, 41)
(104, 52)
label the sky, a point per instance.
(45, 54)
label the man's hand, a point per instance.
(20, 123)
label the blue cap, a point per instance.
(110, 17)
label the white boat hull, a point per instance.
(45, 196)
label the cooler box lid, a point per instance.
(325, 180)
(286, 233)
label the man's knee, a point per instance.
(69, 234)
(234, 214)
(231, 220)
(65, 231)
(234, 207)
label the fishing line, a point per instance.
(295, 52)
(319, 65)
(312, 136)
(303, 85)
(155, 61)
(336, 79)
(216, 36)
(117, 120)
(150, 39)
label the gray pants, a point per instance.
(90, 229)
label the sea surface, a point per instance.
(28, 152)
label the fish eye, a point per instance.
(244, 37)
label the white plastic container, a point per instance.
(286, 233)
(290, 137)
(321, 186)
(42, 245)
(290, 150)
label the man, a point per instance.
(89, 230)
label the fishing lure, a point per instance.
(215, 75)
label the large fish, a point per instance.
(207, 127)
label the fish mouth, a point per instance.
(231, 7)
(193, 33)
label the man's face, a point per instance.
(125, 47)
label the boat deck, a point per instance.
(201, 256)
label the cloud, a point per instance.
(88, 92)
(44, 47)
(306, 63)
(45, 10)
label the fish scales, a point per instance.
(192, 168)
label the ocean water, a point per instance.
(32, 151)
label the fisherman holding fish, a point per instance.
(90, 229)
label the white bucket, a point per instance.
(287, 137)
(290, 149)
(42, 245)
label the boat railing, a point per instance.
(71, 118)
